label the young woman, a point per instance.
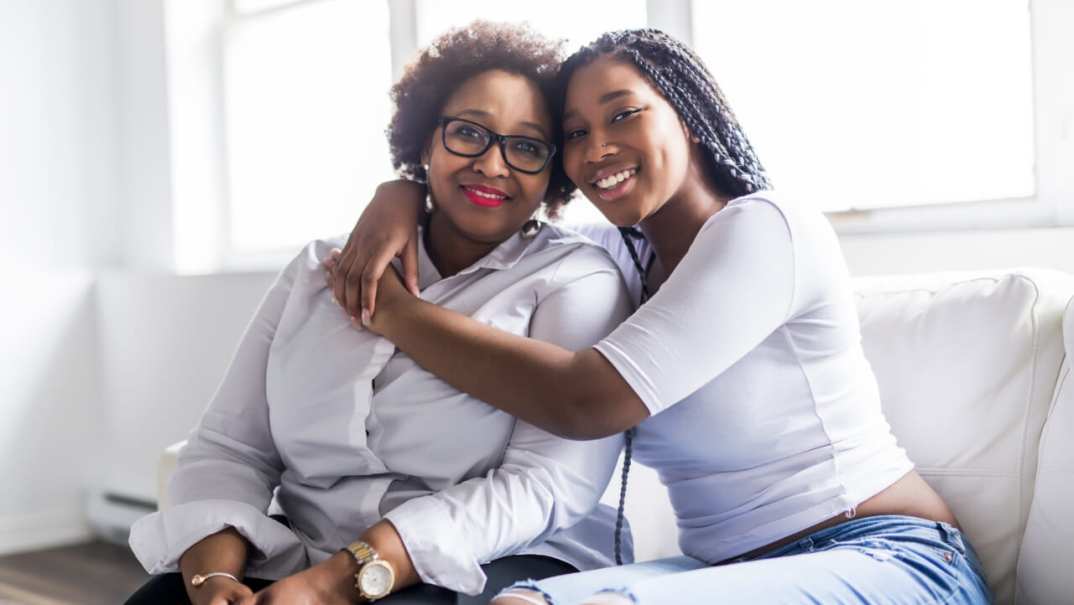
(741, 370)
(350, 440)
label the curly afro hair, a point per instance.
(455, 57)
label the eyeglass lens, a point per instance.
(469, 139)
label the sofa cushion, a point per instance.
(966, 365)
(1044, 566)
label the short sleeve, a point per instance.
(734, 287)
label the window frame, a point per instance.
(1052, 205)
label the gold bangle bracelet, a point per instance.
(200, 579)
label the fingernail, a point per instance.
(355, 323)
(335, 301)
(365, 317)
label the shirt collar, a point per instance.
(504, 256)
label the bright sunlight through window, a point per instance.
(883, 103)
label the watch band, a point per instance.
(362, 552)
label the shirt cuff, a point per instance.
(439, 552)
(160, 539)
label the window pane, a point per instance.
(890, 102)
(253, 6)
(586, 21)
(307, 104)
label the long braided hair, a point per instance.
(684, 81)
(682, 78)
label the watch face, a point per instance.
(376, 579)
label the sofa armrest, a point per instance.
(1043, 564)
(165, 467)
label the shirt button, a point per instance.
(948, 557)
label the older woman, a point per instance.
(386, 476)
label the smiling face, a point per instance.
(625, 146)
(482, 198)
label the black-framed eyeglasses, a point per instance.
(470, 140)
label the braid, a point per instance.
(621, 514)
(682, 78)
(629, 234)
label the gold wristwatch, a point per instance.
(375, 576)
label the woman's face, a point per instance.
(625, 147)
(484, 198)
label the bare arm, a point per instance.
(577, 395)
(223, 551)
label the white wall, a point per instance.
(165, 343)
(59, 209)
(880, 254)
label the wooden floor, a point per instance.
(95, 573)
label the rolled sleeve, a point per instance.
(437, 547)
(229, 467)
(160, 539)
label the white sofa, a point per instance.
(977, 385)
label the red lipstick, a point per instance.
(486, 197)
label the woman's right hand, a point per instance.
(219, 590)
(387, 228)
(223, 551)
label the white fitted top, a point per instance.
(766, 416)
(334, 427)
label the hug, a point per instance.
(440, 427)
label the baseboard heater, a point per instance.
(111, 514)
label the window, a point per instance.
(886, 103)
(306, 103)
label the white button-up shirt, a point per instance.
(334, 427)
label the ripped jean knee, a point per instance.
(518, 591)
(618, 595)
(607, 596)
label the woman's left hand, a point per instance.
(330, 582)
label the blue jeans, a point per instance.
(881, 559)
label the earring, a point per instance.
(530, 228)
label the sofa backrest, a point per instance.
(1046, 563)
(967, 366)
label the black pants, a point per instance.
(168, 589)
